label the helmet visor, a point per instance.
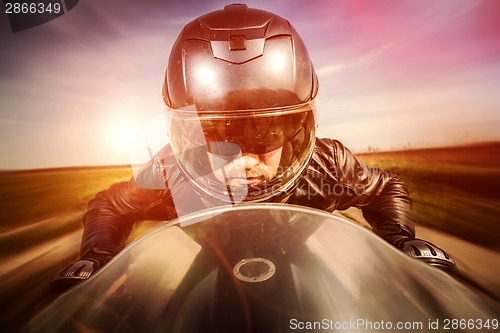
(243, 155)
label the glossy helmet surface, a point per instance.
(240, 81)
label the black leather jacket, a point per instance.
(333, 180)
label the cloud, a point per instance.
(368, 58)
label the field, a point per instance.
(40, 230)
(453, 189)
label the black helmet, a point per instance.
(240, 82)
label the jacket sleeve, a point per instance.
(112, 213)
(382, 197)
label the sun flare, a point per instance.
(122, 135)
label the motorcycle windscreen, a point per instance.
(261, 268)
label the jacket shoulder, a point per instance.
(328, 145)
(328, 151)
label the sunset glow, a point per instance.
(122, 134)
(392, 74)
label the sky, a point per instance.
(393, 74)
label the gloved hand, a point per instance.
(427, 252)
(78, 271)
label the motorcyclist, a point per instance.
(241, 94)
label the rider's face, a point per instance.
(247, 169)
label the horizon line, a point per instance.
(132, 166)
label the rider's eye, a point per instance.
(225, 150)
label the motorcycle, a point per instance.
(266, 268)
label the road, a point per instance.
(480, 262)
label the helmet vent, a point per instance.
(236, 6)
(237, 43)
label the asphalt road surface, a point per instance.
(479, 262)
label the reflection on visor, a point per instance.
(209, 148)
(224, 150)
(254, 135)
(250, 134)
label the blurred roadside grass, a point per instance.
(32, 194)
(39, 205)
(455, 189)
(42, 209)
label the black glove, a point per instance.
(78, 271)
(427, 252)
